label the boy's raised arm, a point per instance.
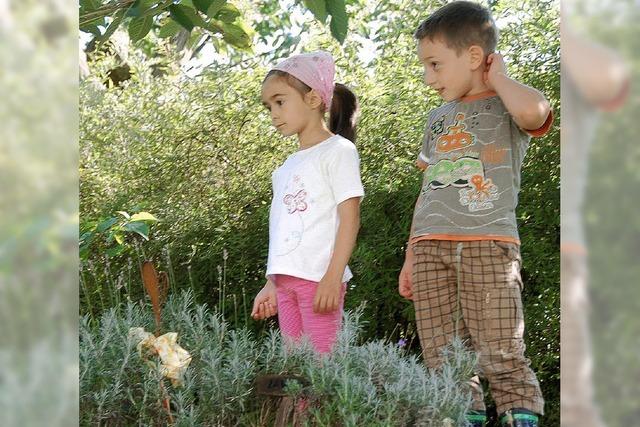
(528, 107)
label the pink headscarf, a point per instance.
(316, 69)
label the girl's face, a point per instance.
(290, 110)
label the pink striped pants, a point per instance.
(297, 318)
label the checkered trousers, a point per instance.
(476, 287)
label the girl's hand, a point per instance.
(265, 304)
(405, 287)
(327, 297)
(495, 67)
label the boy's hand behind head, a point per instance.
(495, 67)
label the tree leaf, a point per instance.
(318, 8)
(89, 5)
(106, 224)
(139, 28)
(124, 214)
(236, 36)
(115, 251)
(215, 26)
(119, 238)
(86, 238)
(202, 5)
(92, 25)
(139, 227)
(339, 19)
(228, 13)
(143, 216)
(147, 6)
(109, 239)
(88, 226)
(183, 15)
(169, 29)
(84, 252)
(215, 7)
(134, 10)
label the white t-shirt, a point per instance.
(303, 220)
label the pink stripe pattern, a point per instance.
(297, 318)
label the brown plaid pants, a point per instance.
(476, 286)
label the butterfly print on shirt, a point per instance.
(296, 202)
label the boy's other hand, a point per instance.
(265, 304)
(495, 67)
(405, 287)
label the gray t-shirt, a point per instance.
(474, 151)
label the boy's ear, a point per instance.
(313, 99)
(476, 57)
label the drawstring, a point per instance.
(458, 314)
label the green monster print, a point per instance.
(458, 173)
(476, 192)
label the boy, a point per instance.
(462, 266)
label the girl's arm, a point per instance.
(327, 297)
(266, 302)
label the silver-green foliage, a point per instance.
(375, 383)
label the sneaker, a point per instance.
(519, 417)
(476, 418)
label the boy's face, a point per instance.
(289, 111)
(446, 71)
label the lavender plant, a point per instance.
(374, 383)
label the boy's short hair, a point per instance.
(461, 24)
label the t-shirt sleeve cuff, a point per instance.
(422, 157)
(542, 130)
(356, 192)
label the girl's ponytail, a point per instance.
(344, 110)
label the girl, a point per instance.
(315, 211)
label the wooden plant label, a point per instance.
(273, 385)
(150, 281)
